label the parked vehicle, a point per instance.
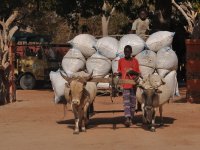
(35, 59)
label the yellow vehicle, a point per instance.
(34, 61)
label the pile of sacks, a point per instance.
(101, 56)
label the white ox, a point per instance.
(80, 94)
(152, 93)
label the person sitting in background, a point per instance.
(141, 25)
(128, 68)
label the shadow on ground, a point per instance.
(117, 122)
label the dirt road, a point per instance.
(34, 122)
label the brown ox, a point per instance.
(80, 95)
(152, 93)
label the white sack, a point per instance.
(145, 71)
(80, 74)
(103, 85)
(99, 65)
(73, 61)
(159, 39)
(115, 64)
(147, 58)
(171, 82)
(58, 84)
(134, 41)
(163, 72)
(166, 59)
(85, 43)
(107, 46)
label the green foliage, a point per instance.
(65, 18)
(196, 5)
(118, 24)
(74, 10)
(7, 7)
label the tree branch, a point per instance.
(112, 11)
(189, 21)
(5, 62)
(11, 32)
(11, 18)
(1, 41)
(2, 23)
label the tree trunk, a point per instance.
(106, 17)
(7, 86)
(105, 23)
(4, 98)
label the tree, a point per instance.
(15, 12)
(74, 10)
(189, 11)
(6, 78)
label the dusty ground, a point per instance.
(34, 122)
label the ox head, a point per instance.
(150, 91)
(149, 96)
(76, 86)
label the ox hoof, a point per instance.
(83, 129)
(153, 129)
(76, 132)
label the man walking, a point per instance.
(128, 68)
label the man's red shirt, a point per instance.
(126, 65)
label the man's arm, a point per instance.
(132, 72)
(134, 27)
(119, 73)
(148, 23)
(136, 70)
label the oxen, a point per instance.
(152, 93)
(80, 94)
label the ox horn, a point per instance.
(158, 91)
(141, 85)
(65, 77)
(163, 81)
(89, 77)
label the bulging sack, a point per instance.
(99, 65)
(73, 61)
(80, 74)
(103, 85)
(163, 72)
(171, 82)
(107, 46)
(115, 64)
(145, 71)
(134, 41)
(159, 40)
(166, 59)
(147, 58)
(58, 84)
(85, 43)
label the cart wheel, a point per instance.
(27, 82)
